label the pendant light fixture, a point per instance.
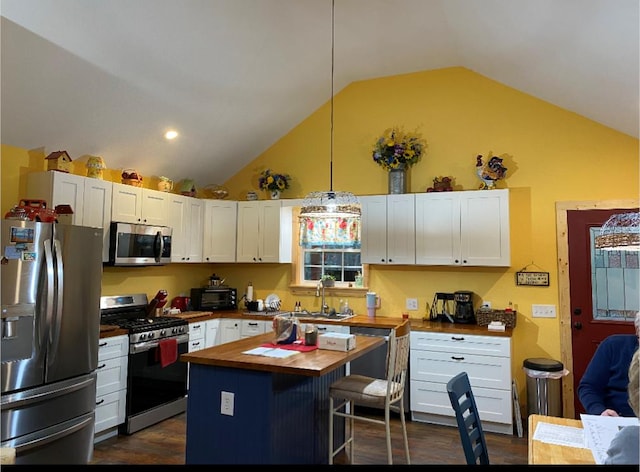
(330, 218)
(621, 232)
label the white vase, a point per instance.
(274, 194)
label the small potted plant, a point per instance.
(328, 280)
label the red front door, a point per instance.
(596, 278)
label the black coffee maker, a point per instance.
(464, 307)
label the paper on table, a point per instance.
(559, 434)
(600, 430)
(270, 352)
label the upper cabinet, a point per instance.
(264, 232)
(469, 228)
(388, 229)
(90, 199)
(185, 219)
(139, 205)
(220, 226)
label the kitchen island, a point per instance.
(280, 407)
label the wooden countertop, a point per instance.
(313, 363)
(386, 322)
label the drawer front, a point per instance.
(432, 397)
(483, 371)
(117, 346)
(110, 410)
(251, 328)
(461, 343)
(332, 328)
(196, 330)
(112, 376)
(196, 344)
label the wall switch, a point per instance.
(412, 303)
(543, 311)
(226, 403)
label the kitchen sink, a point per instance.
(320, 316)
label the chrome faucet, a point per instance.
(323, 306)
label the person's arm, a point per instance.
(591, 390)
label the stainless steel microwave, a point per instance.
(139, 245)
(214, 298)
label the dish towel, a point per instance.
(167, 351)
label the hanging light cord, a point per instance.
(333, 39)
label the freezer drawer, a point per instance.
(70, 442)
(28, 411)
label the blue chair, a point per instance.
(469, 424)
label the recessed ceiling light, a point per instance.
(171, 134)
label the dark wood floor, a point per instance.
(164, 443)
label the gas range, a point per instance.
(130, 312)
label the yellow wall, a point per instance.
(552, 155)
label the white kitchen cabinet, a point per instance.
(250, 328)
(185, 219)
(219, 235)
(388, 229)
(469, 228)
(197, 331)
(229, 330)
(211, 336)
(264, 232)
(131, 204)
(437, 357)
(111, 386)
(90, 199)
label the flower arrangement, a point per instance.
(272, 181)
(396, 148)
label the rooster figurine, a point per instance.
(490, 172)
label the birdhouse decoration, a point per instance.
(60, 161)
(95, 165)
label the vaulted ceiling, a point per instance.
(108, 78)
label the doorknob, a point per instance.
(577, 311)
(577, 325)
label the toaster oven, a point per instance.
(214, 298)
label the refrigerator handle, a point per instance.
(54, 334)
(159, 246)
(48, 258)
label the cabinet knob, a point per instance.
(390, 260)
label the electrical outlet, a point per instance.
(543, 311)
(412, 303)
(226, 403)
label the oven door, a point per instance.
(149, 385)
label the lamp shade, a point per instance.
(621, 232)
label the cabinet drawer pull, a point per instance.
(102, 344)
(102, 366)
(457, 339)
(196, 326)
(100, 402)
(457, 358)
(196, 344)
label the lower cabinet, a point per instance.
(437, 357)
(111, 386)
(229, 330)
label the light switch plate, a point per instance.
(412, 304)
(543, 311)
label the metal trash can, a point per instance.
(544, 382)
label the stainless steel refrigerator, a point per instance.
(50, 326)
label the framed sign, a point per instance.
(536, 279)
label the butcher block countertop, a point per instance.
(358, 320)
(313, 363)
